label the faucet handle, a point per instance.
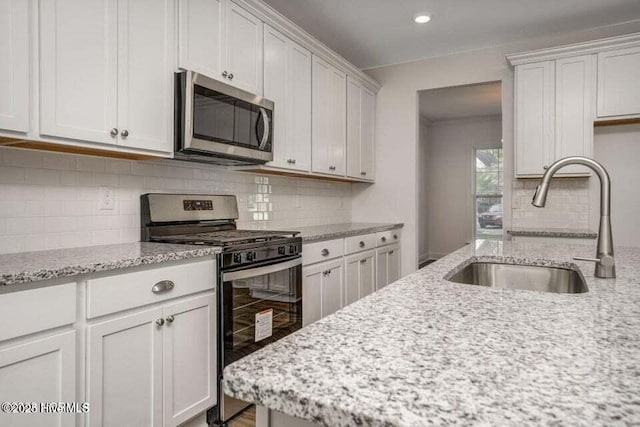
(605, 261)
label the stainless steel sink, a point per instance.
(527, 277)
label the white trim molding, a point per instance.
(584, 48)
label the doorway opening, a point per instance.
(460, 171)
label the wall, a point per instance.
(449, 204)
(50, 200)
(395, 196)
(618, 149)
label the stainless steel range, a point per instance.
(259, 278)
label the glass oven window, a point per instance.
(244, 298)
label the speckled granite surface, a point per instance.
(335, 231)
(27, 267)
(554, 232)
(424, 351)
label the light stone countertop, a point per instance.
(316, 233)
(425, 351)
(28, 267)
(554, 232)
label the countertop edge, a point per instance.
(554, 233)
(349, 233)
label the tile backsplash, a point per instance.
(567, 204)
(51, 200)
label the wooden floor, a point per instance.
(246, 419)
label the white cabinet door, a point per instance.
(328, 118)
(367, 139)
(189, 345)
(359, 276)
(124, 370)
(534, 109)
(323, 289)
(311, 294)
(145, 74)
(298, 104)
(78, 48)
(14, 67)
(618, 88)
(387, 265)
(354, 127)
(287, 82)
(243, 53)
(201, 36)
(574, 111)
(43, 370)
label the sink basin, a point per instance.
(526, 277)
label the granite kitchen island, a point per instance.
(427, 351)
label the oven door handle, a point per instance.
(261, 271)
(265, 134)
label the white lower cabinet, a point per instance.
(360, 276)
(322, 290)
(388, 265)
(155, 367)
(41, 370)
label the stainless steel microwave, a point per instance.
(221, 124)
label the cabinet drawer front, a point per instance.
(111, 294)
(322, 251)
(34, 310)
(360, 243)
(387, 237)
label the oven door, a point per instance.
(224, 121)
(260, 305)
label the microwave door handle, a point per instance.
(265, 134)
(261, 271)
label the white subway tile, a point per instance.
(91, 164)
(21, 157)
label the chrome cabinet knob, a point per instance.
(362, 261)
(225, 74)
(363, 173)
(124, 133)
(332, 168)
(384, 239)
(361, 244)
(170, 319)
(324, 252)
(290, 161)
(395, 236)
(160, 322)
(230, 76)
(293, 161)
(114, 132)
(391, 252)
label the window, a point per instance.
(488, 181)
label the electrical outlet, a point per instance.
(107, 199)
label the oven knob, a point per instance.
(292, 249)
(250, 256)
(237, 257)
(281, 250)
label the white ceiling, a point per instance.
(371, 33)
(457, 102)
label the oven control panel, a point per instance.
(256, 255)
(197, 205)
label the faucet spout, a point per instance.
(605, 264)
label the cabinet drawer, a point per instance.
(322, 251)
(387, 237)
(360, 243)
(124, 291)
(34, 310)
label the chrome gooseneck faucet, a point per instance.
(605, 262)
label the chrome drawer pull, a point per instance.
(361, 244)
(163, 286)
(391, 252)
(170, 319)
(395, 236)
(384, 239)
(160, 322)
(362, 261)
(324, 252)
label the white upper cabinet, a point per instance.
(287, 82)
(534, 105)
(243, 53)
(360, 130)
(329, 121)
(106, 72)
(145, 73)
(14, 67)
(618, 88)
(201, 36)
(574, 110)
(78, 69)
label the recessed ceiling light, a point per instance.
(422, 19)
